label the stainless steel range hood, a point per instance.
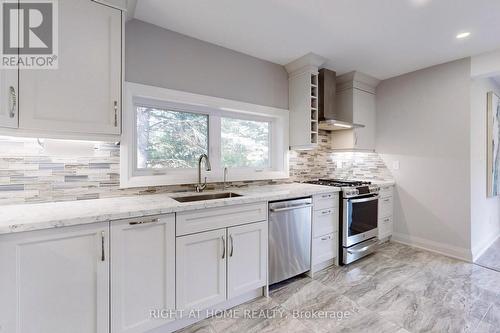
(329, 119)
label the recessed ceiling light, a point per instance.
(463, 35)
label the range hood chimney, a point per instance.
(329, 118)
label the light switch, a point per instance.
(339, 164)
(395, 165)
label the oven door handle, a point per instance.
(376, 197)
(365, 248)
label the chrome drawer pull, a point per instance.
(13, 102)
(144, 222)
(223, 247)
(103, 256)
(115, 108)
(232, 246)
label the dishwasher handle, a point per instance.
(276, 210)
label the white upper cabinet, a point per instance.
(355, 103)
(82, 97)
(142, 272)
(247, 258)
(55, 280)
(303, 101)
(8, 98)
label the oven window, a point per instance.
(364, 217)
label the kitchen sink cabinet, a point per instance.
(247, 258)
(55, 280)
(201, 269)
(142, 272)
(232, 261)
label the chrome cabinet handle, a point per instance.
(143, 222)
(13, 102)
(387, 200)
(373, 198)
(326, 212)
(103, 256)
(115, 107)
(223, 247)
(326, 196)
(326, 238)
(232, 246)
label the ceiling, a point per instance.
(382, 38)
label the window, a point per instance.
(245, 143)
(170, 139)
(166, 131)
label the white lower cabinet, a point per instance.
(385, 213)
(142, 272)
(201, 269)
(325, 225)
(55, 281)
(324, 248)
(247, 259)
(215, 266)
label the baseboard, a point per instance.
(432, 246)
(478, 251)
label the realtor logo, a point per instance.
(29, 36)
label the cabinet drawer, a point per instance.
(326, 221)
(327, 200)
(324, 248)
(385, 227)
(385, 207)
(221, 217)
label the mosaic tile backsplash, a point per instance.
(30, 174)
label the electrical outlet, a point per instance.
(395, 165)
(339, 164)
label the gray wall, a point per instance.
(423, 122)
(485, 212)
(163, 58)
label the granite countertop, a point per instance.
(27, 217)
(383, 182)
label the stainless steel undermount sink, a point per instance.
(201, 197)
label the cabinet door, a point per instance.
(8, 98)
(364, 113)
(142, 272)
(247, 258)
(83, 95)
(201, 269)
(55, 281)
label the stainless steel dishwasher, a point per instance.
(289, 238)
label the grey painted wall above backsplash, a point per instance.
(30, 173)
(159, 57)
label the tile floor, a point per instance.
(491, 258)
(398, 289)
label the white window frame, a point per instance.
(139, 94)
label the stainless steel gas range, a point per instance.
(358, 225)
